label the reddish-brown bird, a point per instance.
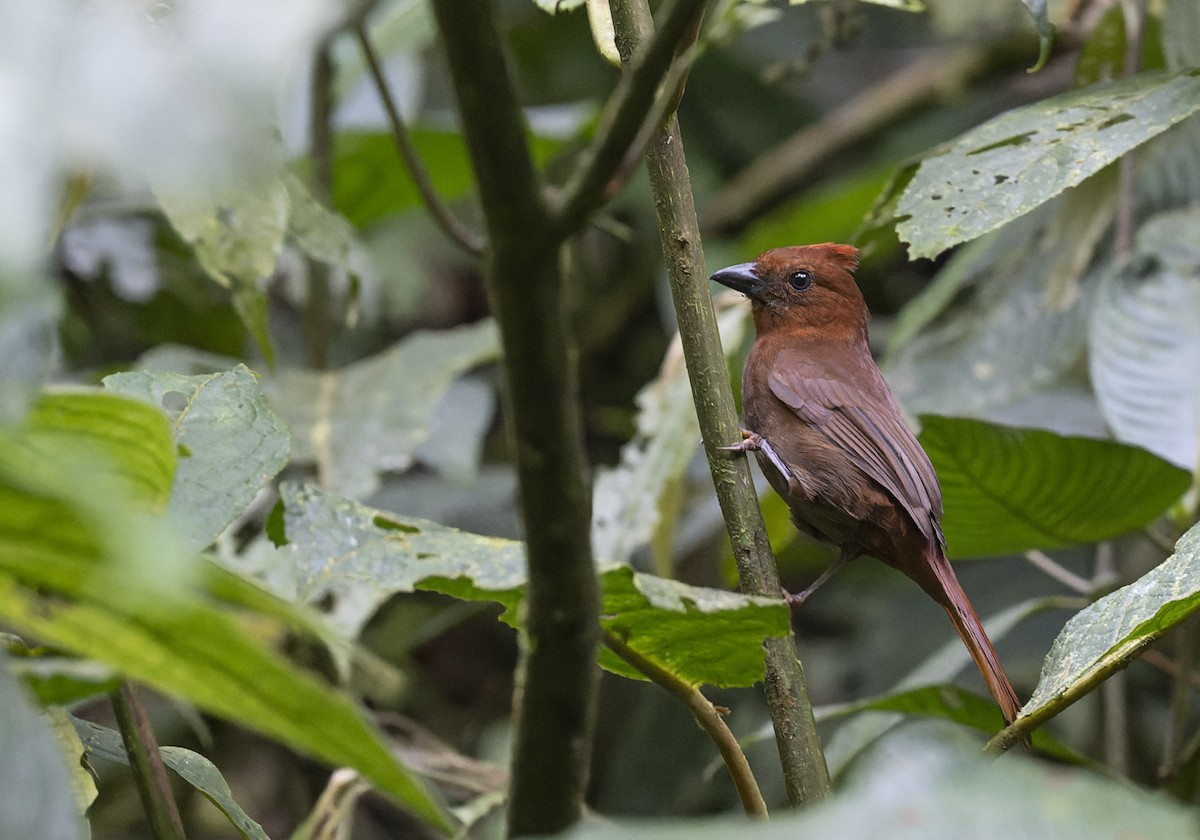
(832, 440)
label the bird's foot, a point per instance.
(750, 442)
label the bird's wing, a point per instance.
(861, 417)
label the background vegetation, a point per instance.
(345, 419)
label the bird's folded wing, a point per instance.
(866, 424)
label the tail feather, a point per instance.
(970, 629)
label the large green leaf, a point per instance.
(230, 440)
(1008, 490)
(38, 798)
(370, 416)
(87, 568)
(1106, 636)
(59, 582)
(1015, 162)
(924, 783)
(357, 557)
(195, 769)
(1144, 339)
(132, 436)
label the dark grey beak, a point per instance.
(741, 278)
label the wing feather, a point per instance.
(865, 422)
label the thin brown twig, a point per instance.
(466, 239)
(708, 718)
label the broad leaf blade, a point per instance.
(1015, 162)
(1007, 490)
(195, 769)
(231, 441)
(360, 556)
(372, 415)
(1106, 636)
(133, 437)
(353, 557)
(700, 635)
(1144, 339)
(38, 798)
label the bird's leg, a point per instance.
(796, 600)
(753, 442)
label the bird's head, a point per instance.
(801, 287)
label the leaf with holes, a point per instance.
(1008, 490)
(361, 556)
(1106, 636)
(229, 440)
(1018, 160)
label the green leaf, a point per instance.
(370, 416)
(62, 680)
(315, 229)
(238, 236)
(1106, 636)
(231, 443)
(1007, 490)
(626, 499)
(953, 703)
(358, 557)
(61, 583)
(133, 438)
(1017, 161)
(195, 769)
(371, 183)
(1040, 10)
(39, 798)
(353, 558)
(925, 783)
(700, 635)
(1144, 339)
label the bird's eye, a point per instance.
(801, 280)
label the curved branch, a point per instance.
(589, 186)
(469, 241)
(706, 716)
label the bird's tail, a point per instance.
(970, 629)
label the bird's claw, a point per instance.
(750, 442)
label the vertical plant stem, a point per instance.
(320, 150)
(805, 773)
(145, 761)
(558, 675)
